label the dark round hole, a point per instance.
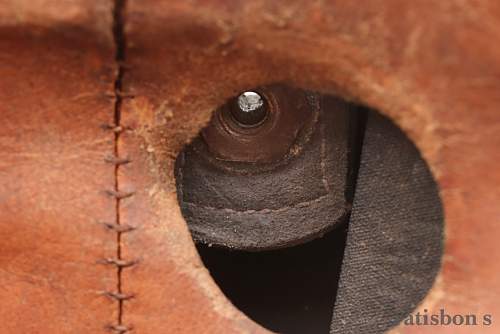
(385, 250)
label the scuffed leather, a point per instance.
(259, 206)
(56, 92)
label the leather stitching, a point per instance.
(119, 296)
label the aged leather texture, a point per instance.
(432, 67)
(56, 87)
(269, 206)
(434, 79)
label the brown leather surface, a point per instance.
(289, 112)
(170, 285)
(431, 66)
(56, 69)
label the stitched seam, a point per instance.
(265, 210)
(284, 208)
(117, 227)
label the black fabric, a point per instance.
(394, 242)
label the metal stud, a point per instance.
(250, 109)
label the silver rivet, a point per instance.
(250, 109)
(250, 101)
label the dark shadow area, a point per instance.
(293, 289)
(289, 290)
(389, 259)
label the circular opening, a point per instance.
(314, 224)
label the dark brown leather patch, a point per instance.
(266, 206)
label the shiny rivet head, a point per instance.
(250, 109)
